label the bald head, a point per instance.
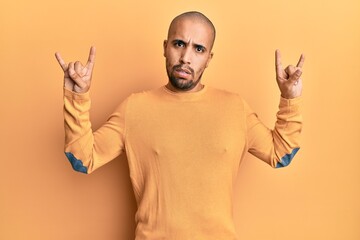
(194, 16)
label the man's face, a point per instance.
(188, 52)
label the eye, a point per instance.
(179, 44)
(199, 49)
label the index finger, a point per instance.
(61, 61)
(91, 60)
(278, 63)
(301, 61)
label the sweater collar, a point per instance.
(185, 96)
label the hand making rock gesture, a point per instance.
(288, 79)
(77, 77)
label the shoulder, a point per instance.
(228, 100)
(140, 100)
(145, 94)
(226, 95)
(133, 102)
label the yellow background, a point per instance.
(41, 197)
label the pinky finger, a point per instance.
(301, 61)
(91, 60)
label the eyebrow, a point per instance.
(195, 44)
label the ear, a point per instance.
(209, 59)
(164, 46)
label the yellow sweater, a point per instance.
(184, 150)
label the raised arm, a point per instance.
(278, 147)
(87, 150)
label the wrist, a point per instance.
(76, 95)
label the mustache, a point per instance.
(182, 66)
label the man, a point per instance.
(184, 141)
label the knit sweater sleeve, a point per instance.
(86, 149)
(277, 147)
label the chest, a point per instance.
(188, 127)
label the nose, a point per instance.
(186, 56)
